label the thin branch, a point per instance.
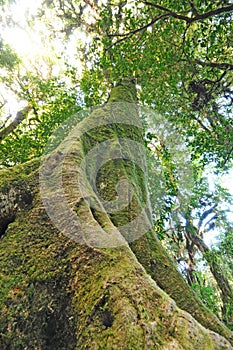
(184, 37)
(20, 116)
(3, 125)
(197, 16)
(227, 158)
(210, 223)
(173, 14)
(135, 31)
(202, 125)
(194, 10)
(169, 12)
(223, 66)
(214, 12)
(219, 65)
(205, 214)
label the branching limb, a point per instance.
(205, 214)
(189, 20)
(227, 158)
(219, 65)
(202, 125)
(133, 32)
(20, 116)
(197, 16)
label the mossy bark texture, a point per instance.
(58, 294)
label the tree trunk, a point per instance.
(217, 272)
(58, 292)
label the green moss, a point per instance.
(35, 303)
(125, 91)
(147, 249)
(18, 175)
(108, 292)
(60, 295)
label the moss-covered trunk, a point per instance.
(60, 294)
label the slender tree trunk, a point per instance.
(58, 293)
(191, 278)
(216, 270)
(220, 278)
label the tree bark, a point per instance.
(60, 294)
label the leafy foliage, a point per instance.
(8, 58)
(207, 291)
(51, 103)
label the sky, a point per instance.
(24, 42)
(34, 46)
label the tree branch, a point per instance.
(197, 16)
(214, 12)
(205, 214)
(168, 13)
(130, 34)
(223, 66)
(20, 116)
(215, 267)
(194, 10)
(202, 125)
(227, 158)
